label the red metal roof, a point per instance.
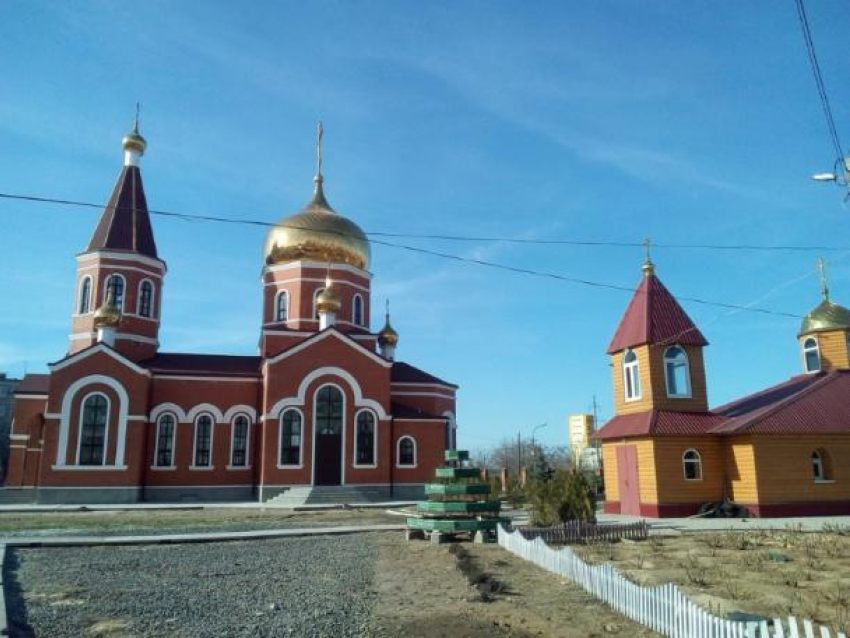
(654, 316)
(659, 423)
(203, 364)
(125, 224)
(406, 373)
(810, 404)
(33, 384)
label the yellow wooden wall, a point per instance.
(654, 384)
(784, 470)
(672, 486)
(646, 469)
(741, 470)
(834, 354)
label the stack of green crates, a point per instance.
(458, 502)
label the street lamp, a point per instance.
(537, 427)
(840, 174)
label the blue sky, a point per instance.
(694, 122)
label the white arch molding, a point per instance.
(65, 419)
(216, 413)
(247, 410)
(300, 399)
(162, 408)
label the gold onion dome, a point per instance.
(107, 315)
(134, 141)
(320, 234)
(827, 316)
(328, 300)
(387, 336)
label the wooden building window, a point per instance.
(677, 372)
(821, 466)
(692, 465)
(290, 438)
(165, 442)
(631, 376)
(365, 453)
(811, 355)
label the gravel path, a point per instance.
(307, 587)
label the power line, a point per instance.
(415, 249)
(813, 62)
(440, 237)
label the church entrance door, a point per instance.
(327, 455)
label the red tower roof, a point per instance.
(654, 316)
(125, 224)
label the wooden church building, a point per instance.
(778, 452)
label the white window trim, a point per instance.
(698, 464)
(688, 394)
(805, 350)
(139, 314)
(123, 288)
(211, 466)
(90, 296)
(398, 463)
(247, 465)
(627, 367)
(103, 463)
(819, 477)
(375, 422)
(172, 466)
(280, 441)
(275, 311)
(358, 297)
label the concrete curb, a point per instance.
(316, 507)
(205, 537)
(4, 619)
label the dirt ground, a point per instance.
(767, 573)
(473, 591)
(181, 521)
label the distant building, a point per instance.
(583, 449)
(7, 387)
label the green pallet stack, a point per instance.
(458, 503)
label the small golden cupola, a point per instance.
(107, 318)
(824, 333)
(388, 338)
(328, 305)
(318, 232)
(134, 144)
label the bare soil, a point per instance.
(473, 591)
(123, 522)
(766, 573)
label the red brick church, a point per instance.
(323, 403)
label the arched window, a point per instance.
(631, 376)
(290, 438)
(811, 355)
(357, 310)
(328, 410)
(93, 423)
(203, 441)
(365, 451)
(316, 294)
(164, 456)
(281, 306)
(239, 442)
(407, 452)
(692, 465)
(146, 299)
(85, 297)
(677, 372)
(116, 283)
(821, 466)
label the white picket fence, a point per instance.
(664, 608)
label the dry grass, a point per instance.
(770, 573)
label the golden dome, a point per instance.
(134, 141)
(107, 315)
(320, 234)
(827, 316)
(387, 336)
(328, 300)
